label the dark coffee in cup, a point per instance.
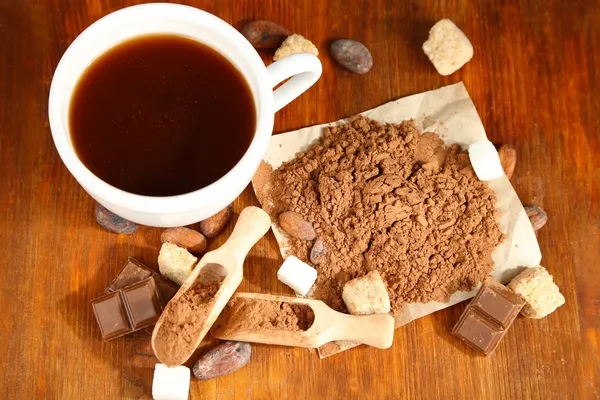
(161, 115)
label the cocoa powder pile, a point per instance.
(386, 197)
(243, 314)
(183, 320)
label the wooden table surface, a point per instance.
(533, 80)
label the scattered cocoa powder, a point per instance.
(183, 320)
(242, 314)
(386, 197)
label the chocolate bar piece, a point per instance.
(127, 310)
(111, 316)
(166, 288)
(143, 305)
(498, 303)
(477, 331)
(134, 271)
(486, 320)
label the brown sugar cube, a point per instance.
(537, 288)
(295, 44)
(447, 47)
(175, 263)
(366, 295)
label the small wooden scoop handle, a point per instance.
(251, 225)
(372, 330)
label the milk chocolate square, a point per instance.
(476, 330)
(142, 303)
(127, 310)
(487, 318)
(111, 316)
(498, 302)
(134, 271)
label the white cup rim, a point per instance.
(166, 204)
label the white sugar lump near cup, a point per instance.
(170, 383)
(485, 160)
(297, 274)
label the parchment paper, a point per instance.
(449, 112)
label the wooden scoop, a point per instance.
(329, 325)
(224, 263)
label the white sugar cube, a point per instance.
(170, 383)
(297, 275)
(447, 47)
(485, 160)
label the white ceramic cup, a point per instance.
(206, 28)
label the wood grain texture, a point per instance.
(534, 80)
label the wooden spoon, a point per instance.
(224, 263)
(329, 325)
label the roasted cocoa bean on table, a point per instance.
(265, 34)
(352, 55)
(211, 227)
(112, 222)
(222, 360)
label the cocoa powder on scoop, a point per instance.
(182, 321)
(254, 314)
(386, 197)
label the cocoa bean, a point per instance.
(295, 225)
(317, 251)
(113, 223)
(508, 159)
(211, 227)
(537, 217)
(265, 34)
(352, 55)
(222, 360)
(191, 240)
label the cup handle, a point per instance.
(305, 69)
